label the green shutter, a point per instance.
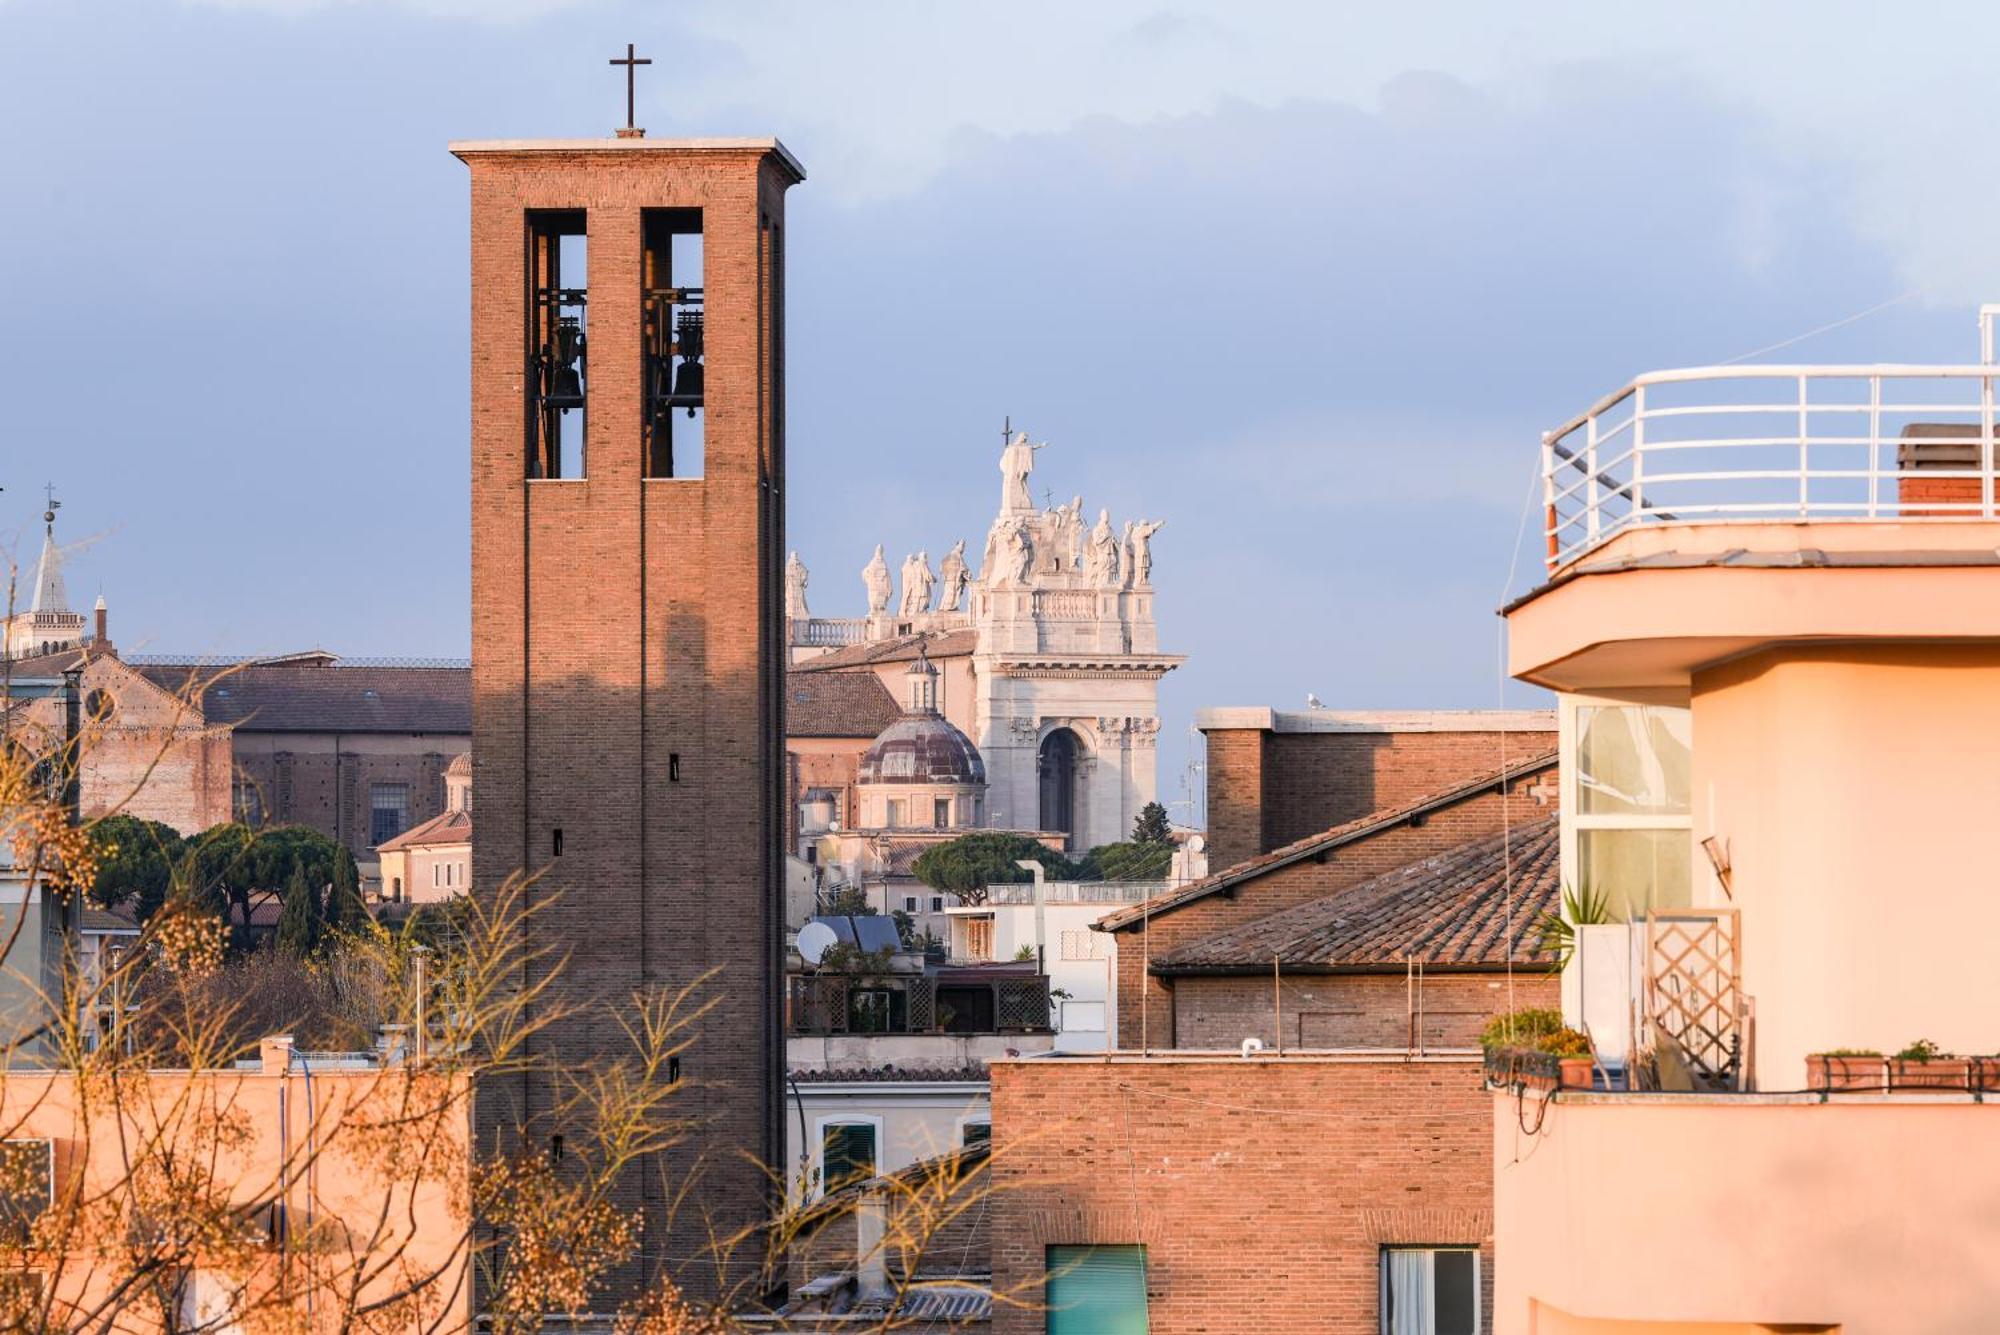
(1097, 1290)
(847, 1154)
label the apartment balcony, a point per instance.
(948, 1019)
(1695, 514)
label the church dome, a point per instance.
(921, 748)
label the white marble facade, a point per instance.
(1065, 663)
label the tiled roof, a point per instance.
(1351, 832)
(260, 697)
(1456, 909)
(44, 665)
(450, 827)
(837, 704)
(107, 920)
(896, 649)
(975, 1074)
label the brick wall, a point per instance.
(628, 657)
(1263, 1191)
(325, 780)
(1145, 1009)
(1267, 789)
(1351, 1010)
(822, 762)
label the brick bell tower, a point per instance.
(628, 467)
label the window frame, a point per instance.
(375, 808)
(822, 1124)
(1383, 1307)
(982, 1116)
(1050, 1267)
(1573, 820)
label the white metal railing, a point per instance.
(1722, 444)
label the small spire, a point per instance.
(50, 596)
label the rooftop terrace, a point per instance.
(1774, 444)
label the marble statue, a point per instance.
(1017, 555)
(917, 584)
(1101, 558)
(951, 571)
(795, 589)
(876, 576)
(1069, 535)
(1139, 549)
(1016, 462)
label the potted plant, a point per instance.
(1923, 1065)
(1985, 1073)
(1571, 1049)
(1520, 1045)
(1847, 1069)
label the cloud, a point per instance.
(492, 11)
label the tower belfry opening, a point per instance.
(673, 316)
(558, 352)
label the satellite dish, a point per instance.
(1196, 843)
(815, 939)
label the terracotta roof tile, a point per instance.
(260, 697)
(1350, 832)
(1452, 910)
(449, 827)
(837, 704)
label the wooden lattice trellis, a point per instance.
(1694, 987)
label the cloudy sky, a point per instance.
(1306, 280)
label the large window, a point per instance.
(1097, 1290)
(1430, 1291)
(388, 811)
(846, 1153)
(1629, 805)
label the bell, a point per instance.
(565, 389)
(687, 388)
(562, 379)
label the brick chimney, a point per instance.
(102, 644)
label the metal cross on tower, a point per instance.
(49, 494)
(631, 62)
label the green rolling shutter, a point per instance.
(1097, 1290)
(847, 1154)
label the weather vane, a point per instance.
(631, 62)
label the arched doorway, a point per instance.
(1055, 767)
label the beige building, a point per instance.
(433, 861)
(1771, 612)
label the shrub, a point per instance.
(1521, 1028)
(1923, 1050)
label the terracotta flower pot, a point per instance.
(1576, 1072)
(1847, 1073)
(1943, 1073)
(1986, 1073)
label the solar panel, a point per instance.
(842, 925)
(877, 933)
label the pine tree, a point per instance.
(345, 911)
(300, 923)
(1152, 827)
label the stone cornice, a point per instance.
(1134, 666)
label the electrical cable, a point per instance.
(1825, 328)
